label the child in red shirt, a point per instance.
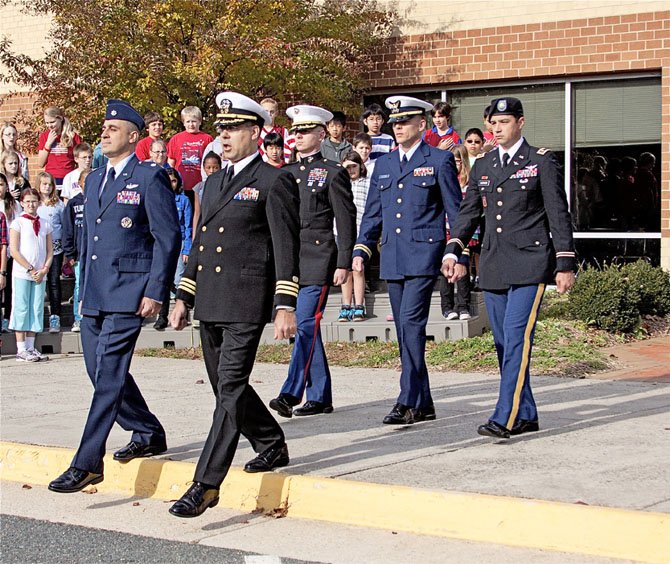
(185, 149)
(155, 125)
(442, 135)
(56, 145)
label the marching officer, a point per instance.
(325, 197)
(410, 192)
(528, 243)
(131, 241)
(243, 265)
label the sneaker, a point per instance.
(5, 325)
(38, 355)
(389, 317)
(54, 324)
(450, 315)
(26, 356)
(76, 327)
(346, 313)
(358, 313)
(464, 315)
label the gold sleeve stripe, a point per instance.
(466, 252)
(286, 285)
(287, 292)
(565, 254)
(363, 248)
(187, 289)
(187, 282)
(458, 242)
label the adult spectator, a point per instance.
(158, 153)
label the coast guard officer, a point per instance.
(528, 242)
(325, 197)
(243, 265)
(131, 241)
(410, 191)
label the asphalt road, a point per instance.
(25, 540)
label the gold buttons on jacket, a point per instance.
(499, 189)
(94, 257)
(397, 230)
(199, 267)
(499, 217)
(302, 167)
(201, 248)
(398, 215)
(98, 220)
(221, 229)
(499, 204)
(499, 229)
(218, 269)
(95, 238)
(399, 200)
(204, 228)
(317, 242)
(219, 249)
(401, 185)
(297, 180)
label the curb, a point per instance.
(528, 523)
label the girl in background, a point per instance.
(31, 248)
(10, 166)
(12, 209)
(51, 211)
(9, 142)
(56, 145)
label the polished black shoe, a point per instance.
(524, 426)
(281, 405)
(74, 480)
(399, 415)
(161, 324)
(424, 414)
(274, 457)
(492, 429)
(313, 408)
(137, 450)
(195, 501)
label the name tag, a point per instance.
(128, 197)
(484, 183)
(247, 195)
(424, 171)
(381, 176)
(527, 172)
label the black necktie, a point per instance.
(505, 160)
(403, 163)
(111, 175)
(228, 176)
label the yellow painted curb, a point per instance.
(599, 531)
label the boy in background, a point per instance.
(155, 125)
(373, 119)
(441, 135)
(335, 146)
(273, 145)
(272, 108)
(363, 146)
(186, 149)
(83, 156)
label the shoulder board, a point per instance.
(480, 155)
(542, 151)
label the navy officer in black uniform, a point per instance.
(528, 243)
(325, 197)
(131, 241)
(243, 265)
(410, 191)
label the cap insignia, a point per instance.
(225, 105)
(502, 105)
(113, 112)
(395, 106)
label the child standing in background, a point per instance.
(83, 156)
(336, 146)
(51, 211)
(373, 119)
(56, 145)
(9, 142)
(32, 250)
(10, 167)
(273, 145)
(186, 149)
(11, 209)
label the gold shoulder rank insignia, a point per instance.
(542, 151)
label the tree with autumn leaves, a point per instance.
(162, 55)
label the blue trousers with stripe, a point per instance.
(308, 369)
(513, 315)
(410, 303)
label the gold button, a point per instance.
(537, 242)
(430, 239)
(399, 200)
(398, 215)
(98, 220)
(218, 269)
(95, 238)
(297, 180)
(313, 189)
(199, 267)
(499, 204)
(201, 248)
(221, 230)
(499, 217)
(401, 185)
(499, 189)
(219, 249)
(302, 167)
(204, 228)
(397, 230)
(94, 257)
(423, 184)
(317, 242)
(499, 229)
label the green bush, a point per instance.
(604, 298)
(652, 285)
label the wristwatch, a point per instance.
(30, 268)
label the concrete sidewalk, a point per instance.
(602, 443)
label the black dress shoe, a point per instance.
(282, 406)
(313, 408)
(274, 457)
(425, 414)
(137, 450)
(524, 426)
(399, 415)
(74, 480)
(161, 324)
(492, 429)
(195, 501)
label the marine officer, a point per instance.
(325, 199)
(130, 245)
(410, 191)
(528, 243)
(243, 265)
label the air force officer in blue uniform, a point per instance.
(410, 192)
(528, 243)
(131, 243)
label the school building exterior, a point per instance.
(594, 78)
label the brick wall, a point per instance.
(613, 44)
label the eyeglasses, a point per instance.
(159, 152)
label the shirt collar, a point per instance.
(512, 150)
(118, 167)
(409, 154)
(239, 166)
